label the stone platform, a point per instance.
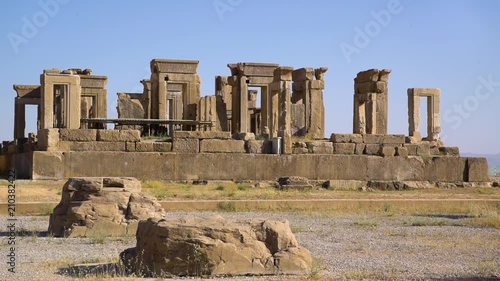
(245, 166)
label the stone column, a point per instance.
(283, 76)
(316, 128)
(162, 97)
(19, 119)
(264, 108)
(413, 115)
(243, 93)
(434, 128)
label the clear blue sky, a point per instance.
(452, 45)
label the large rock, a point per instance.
(112, 206)
(195, 246)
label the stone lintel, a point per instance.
(283, 73)
(253, 69)
(93, 81)
(27, 91)
(174, 66)
(424, 92)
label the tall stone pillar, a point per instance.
(243, 99)
(370, 87)
(19, 120)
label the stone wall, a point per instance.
(97, 140)
(244, 166)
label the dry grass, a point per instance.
(50, 191)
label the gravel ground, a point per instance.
(345, 246)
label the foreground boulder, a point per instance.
(194, 246)
(107, 206)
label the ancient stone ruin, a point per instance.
(264, 121)
(195, 246)
(110, 206)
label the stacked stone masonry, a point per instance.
(251, 109)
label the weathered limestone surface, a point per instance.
(196, 246)
(185, 145)
(203, 135)
(320, 147)
(450, 151)
(222, 146)
(371, 101)
(402, 151)
(92, 146)
(258, 146)
(110, 206)
(344, 148)
(78, 135)
(118, 135)
(346, 138)
(130, 108)
(48, 139)
(385, 151)
(221, 166)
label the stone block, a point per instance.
(317, 84)
(185, 145)
(244, 136)
(320, 147)
(367, 76)
(423, 149)
(162, 146)
(413, 139)
(393, 139)
(48, 138)
(128, 107)
(449, 151)
(258, 146)
(412, 149)
(346, 138)
(222, 146)
(118, 135)
(203, 135)
(359, 148)
(435, 150)
(78, 134)
(303, 74)
(299, 150)
(130, 146)
(372, 149)
(98, 146)
(373, 139)
(144, 147)
(370, 87)
(402, 151)
(386, 151)
(344, 148)
(477, 169)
